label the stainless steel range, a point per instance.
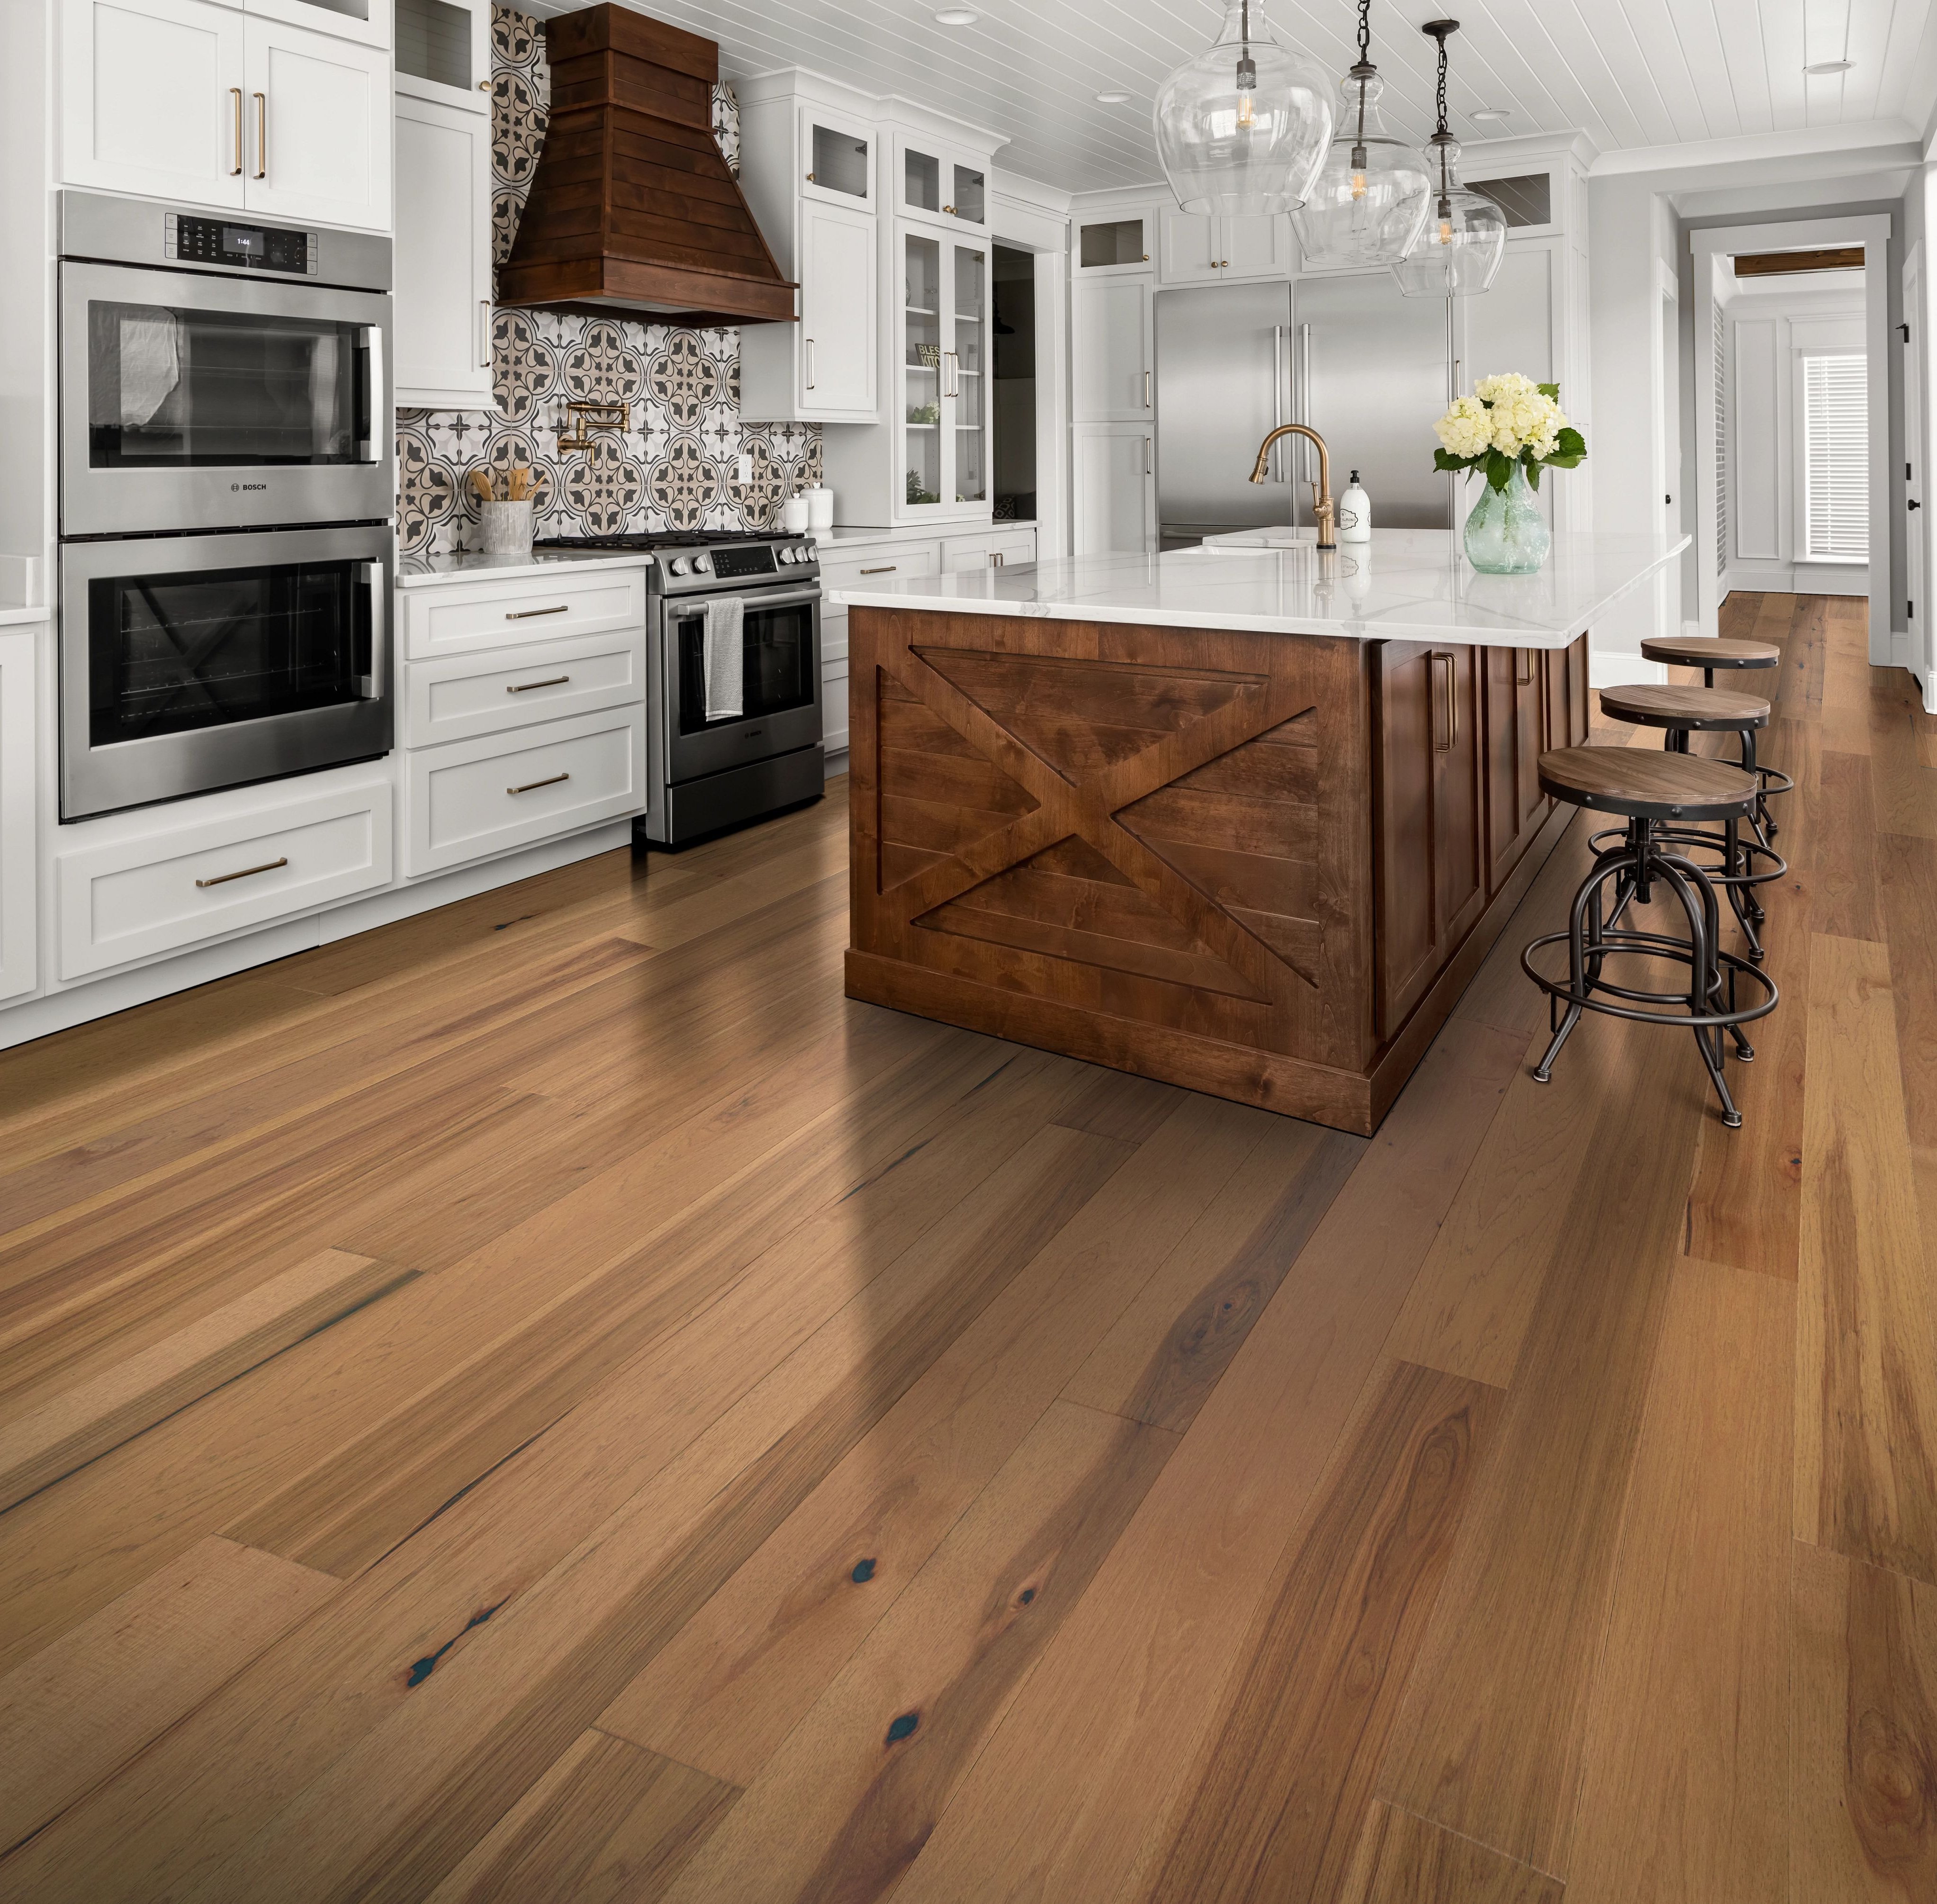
(719, 753)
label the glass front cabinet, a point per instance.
(944, 375)
(942, 185)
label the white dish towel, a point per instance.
(725, 657)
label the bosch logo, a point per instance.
(235, 489)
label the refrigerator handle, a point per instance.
(1277, 399)
(1307, 473)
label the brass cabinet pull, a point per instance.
(262, 136)
(996, 560)
(529, 784)
(235, 170)
(526, 614)
(247, 872)
(1526, 679)
(886, 568)
(525, 687)
(1452, 702)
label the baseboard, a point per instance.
(122, 991)
(1797, 578)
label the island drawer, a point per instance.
(472, 798)
(467, 616)
(464, 696)
(160, 892)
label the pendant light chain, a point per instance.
(1442, 83)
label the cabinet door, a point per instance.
(966, 404)
(1564, 675)
(443, 306)
(1187, 247)
(1256, 245)
(17, 827)
(319, 114)
(837, 159)
(1431, 870)
(1516, 808)
(837, 311)
(443, 50)
(1111, 318)
(1116, 490)
(951, 187)
(152, 98)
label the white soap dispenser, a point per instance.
(1355, 513)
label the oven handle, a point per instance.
(682, 607)
(372, 341)
(372, 683)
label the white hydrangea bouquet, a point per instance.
(1508, 421)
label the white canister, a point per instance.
(507, 527)
(1355, 513)
(794, 515)
(819, 508)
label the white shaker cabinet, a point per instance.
(154, 99)
(18, 795)
(837, 337)
(319, 127)
(1193, 249)
(1115, 471)
(1112, 358)
(366, 20)
(443, 303)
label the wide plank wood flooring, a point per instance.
(549, 1402)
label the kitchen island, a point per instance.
(1244, 818)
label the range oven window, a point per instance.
(172, 387)
(779, 664)
(169, 653)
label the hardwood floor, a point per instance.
(550, 1401)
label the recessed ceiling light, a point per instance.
(1491, 112)
(1113, 98)
(956, 16)
(1823, 66)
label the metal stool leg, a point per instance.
(1705, 978)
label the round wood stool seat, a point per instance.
(1638, 783)
(1672, 706)
(1709, 652)
(1614, 967)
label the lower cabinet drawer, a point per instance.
(161, 892)
(892, 562)
(475, 797)
(468, 694)
(571, 600)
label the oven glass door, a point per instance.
(780, 663)
(189, 663)
(196, 401)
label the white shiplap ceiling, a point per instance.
(1630, 73)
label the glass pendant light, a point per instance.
(1458, 252)
(1369, 200)
(1243, 126)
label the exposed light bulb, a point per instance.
(1247, 115)
(1445, 231)
(1358, 185)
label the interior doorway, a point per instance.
(1013, 278)
(1792, 427)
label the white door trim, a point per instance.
(1872, 231)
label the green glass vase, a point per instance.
(1506, 535)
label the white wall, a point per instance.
(1769, 323)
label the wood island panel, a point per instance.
(1259, 866)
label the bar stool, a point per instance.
(1651, 791)
(1709, 654)
(1743, 864)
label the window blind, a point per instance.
(1835, 458)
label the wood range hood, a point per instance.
(632, 209)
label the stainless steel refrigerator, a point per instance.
(1368, 369)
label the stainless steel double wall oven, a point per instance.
(227, 484)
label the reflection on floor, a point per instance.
(548, 1401)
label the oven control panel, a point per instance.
(241, 247)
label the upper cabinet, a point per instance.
(1194, 250)
(1110, 319)
(807, 166)
(185, 100)
(949, 186)
(365, 20)
(1116, 243)
(443, 53)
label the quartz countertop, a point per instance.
(468, 565)
(1407, 585)
(834, 538)
(18, 617)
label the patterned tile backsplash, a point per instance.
(675, 466)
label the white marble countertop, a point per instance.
(915, 532)
(1407, 585)
(467, 565)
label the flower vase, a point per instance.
(1506, 535)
